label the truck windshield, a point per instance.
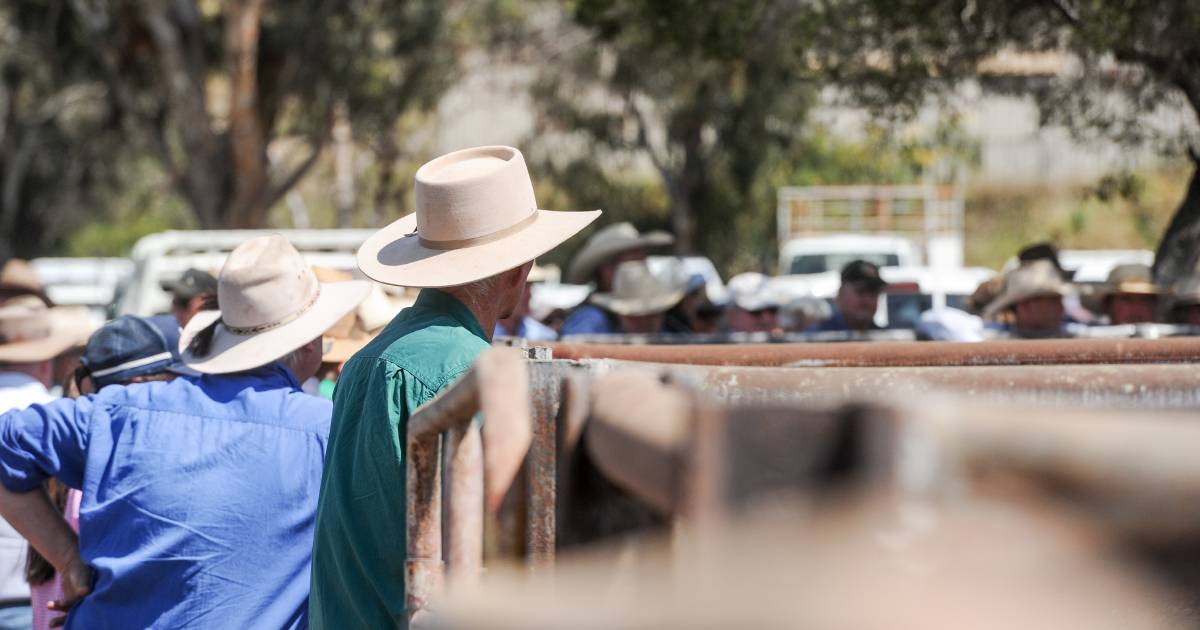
(820, 263)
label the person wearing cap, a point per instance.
(597, 264)
(127, 350)
(193, 292)
(520, 323)
(1184, 305)
(199, 493)
(857, 299)
(753, 307)
(1032, 302)
(1130, 295)
(639, 300)
(469, 246)
(31, 337)
(695, 313)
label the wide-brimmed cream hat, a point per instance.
(1033, 279)
(609, 242)
(18, 277)
(476, 217)
(1131, 279)
(32, 332)
(1186, 292)
(637, 292)
(271, 304)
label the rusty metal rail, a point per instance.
(479, 467)
(934, 353)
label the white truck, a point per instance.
(821, 228)
(167, 255)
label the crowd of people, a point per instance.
(240, 462)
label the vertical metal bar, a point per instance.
(424, 568)
(540, 464)
(464, 514)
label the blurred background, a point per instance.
(1032, 120)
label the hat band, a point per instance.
(254, 330)
(129, 365)
(480, 240)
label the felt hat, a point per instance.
(271, 304)
(607, 243)
(476, 217)
(1033, 279)
(31, 332)
(637, 292)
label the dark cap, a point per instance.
(1043, 251)
(193, 282)
(862, 272)
(132, 346)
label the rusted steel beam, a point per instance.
(1165, 386)
(855, 354)
(424, 575)
(503, 386)
(542, 475)
(464, 513)
(637, 435)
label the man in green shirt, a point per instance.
(470, 244)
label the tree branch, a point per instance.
(1065, 11)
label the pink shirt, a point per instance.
(48, 591)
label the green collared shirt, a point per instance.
(359, 545)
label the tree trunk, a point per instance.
(343, 166)
(247, 142)
(1179, 249)
(387, 154)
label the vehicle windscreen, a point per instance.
(820, 263)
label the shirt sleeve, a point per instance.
(44, 441)
(586, 320)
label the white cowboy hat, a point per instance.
(1033, 279)
(476, 217)
(753, 291)
(608, 242)
(271, 304)
(31, 332)
(637, 292)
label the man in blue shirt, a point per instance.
(199, 494)
(856, 301)
(597, 263)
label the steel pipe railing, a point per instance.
(479, 468)
(933, 353)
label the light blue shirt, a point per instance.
(199, 496)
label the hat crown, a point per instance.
(473, 193)
(265, 282)
(24, 319)
(1131, 274)
(1036, 276)
(634, 280)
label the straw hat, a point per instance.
(608, 242)
(752, 291)
(1036, 278)
(32, 332)
(271, 304)
(1131, 279)
(637, 292)
(476, 217)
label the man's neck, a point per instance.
(486, 312)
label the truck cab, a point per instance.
(830, 252)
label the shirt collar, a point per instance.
(443, 302)
(19, 379)
(273, 374)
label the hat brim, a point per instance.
(634, 307)
(584, 265)
(67, 330)
(231, 352)
(396, 256)
(1008, 300)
